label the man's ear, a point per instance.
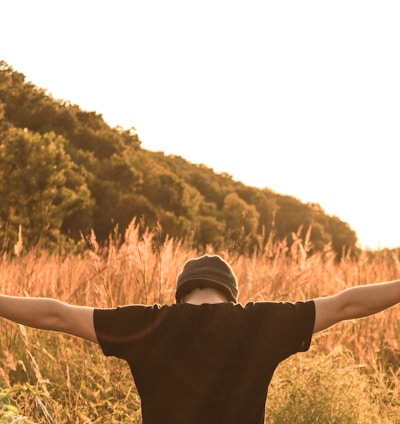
(183, 298)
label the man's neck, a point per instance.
(205, 295)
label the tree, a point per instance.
(40, 186)
(241, 222)
(171, 193)
(344, 239)
(209, 231)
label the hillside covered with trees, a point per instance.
(64, 173)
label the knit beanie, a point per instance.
(207, 271)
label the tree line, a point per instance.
(65, 173)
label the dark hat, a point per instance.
(207, 271)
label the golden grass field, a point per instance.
(350, 375)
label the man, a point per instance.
(205, 359)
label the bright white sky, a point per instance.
(302, 97)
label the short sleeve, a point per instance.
(120, 330)
(285, 326)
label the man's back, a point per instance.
(204, 363)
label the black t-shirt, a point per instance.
(209, 363)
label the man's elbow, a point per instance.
(353, 306)
(57, 317)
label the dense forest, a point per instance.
(65, 174)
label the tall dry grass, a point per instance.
(53, 378)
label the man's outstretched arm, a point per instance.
(49, 314)
(355, 302)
